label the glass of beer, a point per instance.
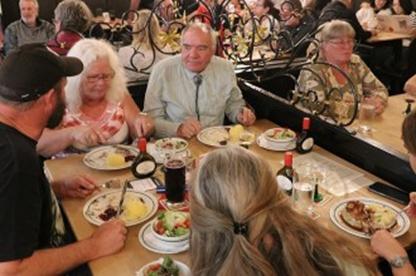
(175, 179)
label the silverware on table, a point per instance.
(123, 193)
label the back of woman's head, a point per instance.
(242, 224)
(73, 15)
(88, 51)
(146, 29)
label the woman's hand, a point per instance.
(411, 208)
(86, 136)
(144, 125)
(386, 246)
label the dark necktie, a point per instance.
(197, 80)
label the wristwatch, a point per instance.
(399, 261)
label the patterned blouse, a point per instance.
(364, 81)
(111, 124)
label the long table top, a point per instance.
(389, 36)
(134, 256)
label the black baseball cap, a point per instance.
(32, 70)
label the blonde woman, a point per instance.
(139, 57)
(242, 224)
(99, 109)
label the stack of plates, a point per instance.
(153, 242)
(268, 140)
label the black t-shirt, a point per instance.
(26, 217)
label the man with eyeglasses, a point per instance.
(29, 29)
(195, 89)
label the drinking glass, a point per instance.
(175, 179)
(302, 196)
(367, 113)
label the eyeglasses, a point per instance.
(96, 78)
(339, 42)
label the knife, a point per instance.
(123, 192)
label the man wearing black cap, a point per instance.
(32, 235)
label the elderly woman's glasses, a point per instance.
(96, 78)
(341, 42)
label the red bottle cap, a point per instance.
(306, 123)
(288, 159)
(141, 144)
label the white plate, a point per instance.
(159, 158)
(173, 144)
(183, 268)
(97, 158)
(99, 203)
(264, 143)
(152, 243)
(274, 140)
(402, 226)
(212, 136)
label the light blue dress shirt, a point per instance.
(171, 95)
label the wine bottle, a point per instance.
(287, 175)
(305, 142)
(144, 164)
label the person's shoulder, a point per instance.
(168, 63)
(14, 25)
(219, 62)
(45, 23)
(356, 59)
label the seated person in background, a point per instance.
(243, 224)
(410, 86)
(382, 242)
(99, 109)
(33, 238)
(343, 10)
(336, 48)
(367, 16)
(194, 90)
(29, 29)
(139, 57)
(401, 7)
(298, 23)
(266, 20)
(72, 19)
(382, 7)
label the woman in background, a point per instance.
(139, 58)
(99, 109)
(242, 224)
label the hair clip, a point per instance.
(240, 228)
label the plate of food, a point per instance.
(137, 207)
(279, 135)
(114, 157)
(362, 216)
(221, 136)
(173, 144)
(172, 226)
(164, 266)
(148, 240)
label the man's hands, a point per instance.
(386, 246)
(86, 136)
(109, 238)
(78, 186)
(189, 128)
(246, 117)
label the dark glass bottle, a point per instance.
(144, 164)
(287, 175)
(305, 142)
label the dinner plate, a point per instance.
(173, 144)
(270, 133)
(183, 268)
(99, 203)
(219, 137)
(266, 144)
(97, 158)
(159, 156)
(151, 242)
(402, 226)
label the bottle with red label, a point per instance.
(305, 142)
(144, 164)
(286, 176)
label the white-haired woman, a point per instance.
(99, 109)
(242, 224)
(139, 57)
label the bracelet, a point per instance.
(143, 113)
(398, 261)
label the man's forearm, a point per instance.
(51, 261)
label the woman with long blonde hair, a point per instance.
(242, 224)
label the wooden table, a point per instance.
(388, 36)
(134, 256)
(387, 127)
